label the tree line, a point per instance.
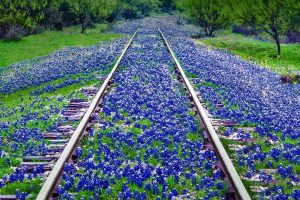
(22, 17)
(277, 18)
(274, 17)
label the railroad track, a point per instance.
(239, 190)
(236, 188)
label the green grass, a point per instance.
(30, 187)
(263, 53)
(42, 44)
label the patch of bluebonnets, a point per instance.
(71, 60)
(128, 27)
(53, 87)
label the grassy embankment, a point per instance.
(263, 53)
(42, 44)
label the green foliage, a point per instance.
(32, 186)
(68, 15)
(146, 122)
(274, 17)
(27, 13)
(210, 15)
(259, 51)
(18, 16)
(89, 11)
(131, 9)
(136, 131)
(295, 22)
(21, 17)
(167, 5)
(271, 16)
(52, 15)
(146, 6)
(193, 136)
(129, 12)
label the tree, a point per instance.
(166, 5)
(83, 11)
(68, 15)
(52, 15)
(130, 9)
(89, 11)
(20, 14)
(104, 9)
(210, 15)
(129, 12)
(146, 6)
(271, 16)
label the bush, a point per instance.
(2, 32)
(14, 32)
(289, 78)
(38, 29)
(59, 26)
(68, 15)
(179, 21)
(129, 13)
(52, 18)
(12, 28)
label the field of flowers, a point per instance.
(265, 143)
(72, 60)
(146, 143)
(33, 94)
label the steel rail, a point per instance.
(230, 170)
(54, 176)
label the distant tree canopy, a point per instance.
(167, 5)
(52, 15)
(19, 17)
(277, 18)
(146, 6)
(132, 8)
(274, 17)
(89, 11)
(210, 15)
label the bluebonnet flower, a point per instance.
(220, 185)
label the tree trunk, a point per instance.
(82, 28)
(273, 32)
(278, 47)
(211, 32)
(277, 40)
(206, 30)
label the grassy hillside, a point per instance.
(49, 41)
(263, 53)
